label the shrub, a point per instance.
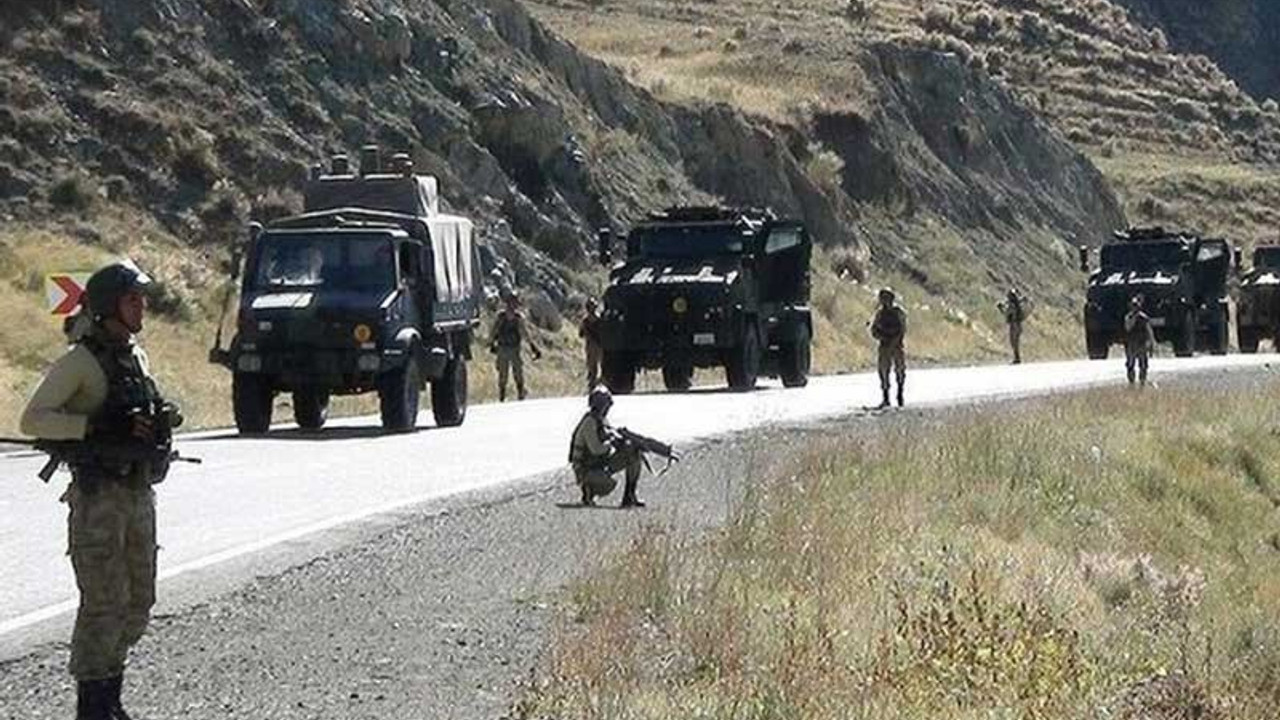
(793, 46)
(729, 46)
(1270, 106)
(984, 25)
(74, 191)
(938, 20)
(1035, 32)
(857, 10)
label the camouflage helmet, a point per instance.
(106, 286)
(599, 399)
(886, 293)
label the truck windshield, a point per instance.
(1143, 256)
(350, 262)
(1268, 257)
(689, 241)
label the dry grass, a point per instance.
(1106, 555)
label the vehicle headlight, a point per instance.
(249, 363)
(368, 363)
(680, 306)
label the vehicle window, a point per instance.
(691, 241)
(352, 262)
(1142, 256)
(1211, 251)
(782, 239)
(1266, 257)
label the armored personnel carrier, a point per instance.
(708, 287)
(371, 289)
(1258, 309)
(1182, 278)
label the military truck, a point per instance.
(707, 287)
(1258, 308)
(370, 289)
(1182, 277)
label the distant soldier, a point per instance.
(1015, 308)
(597, 454)
(889, 328)
(1139, 340)
(101, 391)
(510, 331)
(589, 331)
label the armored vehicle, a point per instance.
(1182, 278)
(372, 288)
(708, 287)
(1258, 309)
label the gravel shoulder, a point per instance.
(444, 613)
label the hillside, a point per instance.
(158, 128)
(1176, 136)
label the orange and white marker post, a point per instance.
(63, 291)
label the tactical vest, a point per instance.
(508, 333)
(129, 390)
(1016, 313)
(579, 455)
(888, 324)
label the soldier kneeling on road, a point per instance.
(599, 451)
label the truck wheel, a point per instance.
(796, 360)
(1218, 337)
(677, 378)
(1248, 339)
(310, 408)
(449, 394)
(251, 398)
(398, 396)
(743, 363)
(1097, 346)
(619, 373)
(1184, 344)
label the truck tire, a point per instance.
(1097, 346)
(251, 398)
(743, 363)
(619, 374)
(399, 392)
(1218, 337)
(796, 359)
(677, 378)
(310, 408)
(1248, 339)
(1184, 343)
(449, 394)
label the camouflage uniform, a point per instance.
(1139, 341)
(112, 526)
(595, 460)
(589, 331)
(1015, 309)
(509, 330)
(889, 328)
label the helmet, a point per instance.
(599, 399)
(1137, 300)
(105, 287)
(592, 304)
(886, 293)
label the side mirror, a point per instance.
(604, 246)
(1083, 250)
(255, 229)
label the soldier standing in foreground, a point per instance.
(101, 391)
(597, 455)
(589, 331)
(1015, 309)
(1139, 340)
(889, 328)
(509, 331)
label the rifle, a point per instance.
(647, 446)
(115, 451)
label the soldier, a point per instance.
(589, 331)
(1139, 340)
(597, 454)
(94, 392)
(509, 331)
(889, 328)
(1015, 309)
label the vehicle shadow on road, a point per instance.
(334, 433)
(580, 506)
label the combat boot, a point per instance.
(588, 497)
(115, 686)
(93, 700)
(629, 499)
(900, 399)
(884, 399)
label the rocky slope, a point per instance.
(192, 116)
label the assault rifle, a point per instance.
(116, 450)
(647, 446)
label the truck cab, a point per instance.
(1183, 279)
(372, 289)
(709, 287)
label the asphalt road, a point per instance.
(269, 503)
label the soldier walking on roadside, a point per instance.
(589, 331)
(889, 328)
(597, 455)
(510, 331)
(1015, 308)
(1139, 340)
(95, 392)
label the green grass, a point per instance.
(1109, 554)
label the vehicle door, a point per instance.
(1211, 270)
(784, 264)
